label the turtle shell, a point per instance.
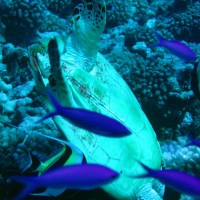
(81, 77)
(103, 90)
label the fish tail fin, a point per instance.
(49, 115)
(56, 105)
(26, 191)
(159, 38)
(147, 169)
(30, 186)
(54, 101)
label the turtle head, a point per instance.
(89, 19)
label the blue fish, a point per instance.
(88, 120)
(175, 47)
(192, 141)
(81, 177)
(174, 179)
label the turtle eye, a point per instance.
(75, 11)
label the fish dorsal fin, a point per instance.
(89, 19)
(48, 163)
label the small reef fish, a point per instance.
(88, 120)
(192, 141)
(175, 47)
(76, 156)
(68, 154)
(174, 179)
(82, 177)
(195, 79)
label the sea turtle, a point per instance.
(81, 77)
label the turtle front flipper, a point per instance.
(57, 82)
(89, 19)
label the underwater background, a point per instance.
(160, 81)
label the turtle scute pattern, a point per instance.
(79, 76)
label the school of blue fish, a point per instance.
(79, 176)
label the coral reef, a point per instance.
(14, 58)
(120, 13)
(184, 25)
(18, 142)
(62, 8)
(22, 19)
(4, 86)
(18, 111)
(177, 156)
(160, 81)
(181, 157)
